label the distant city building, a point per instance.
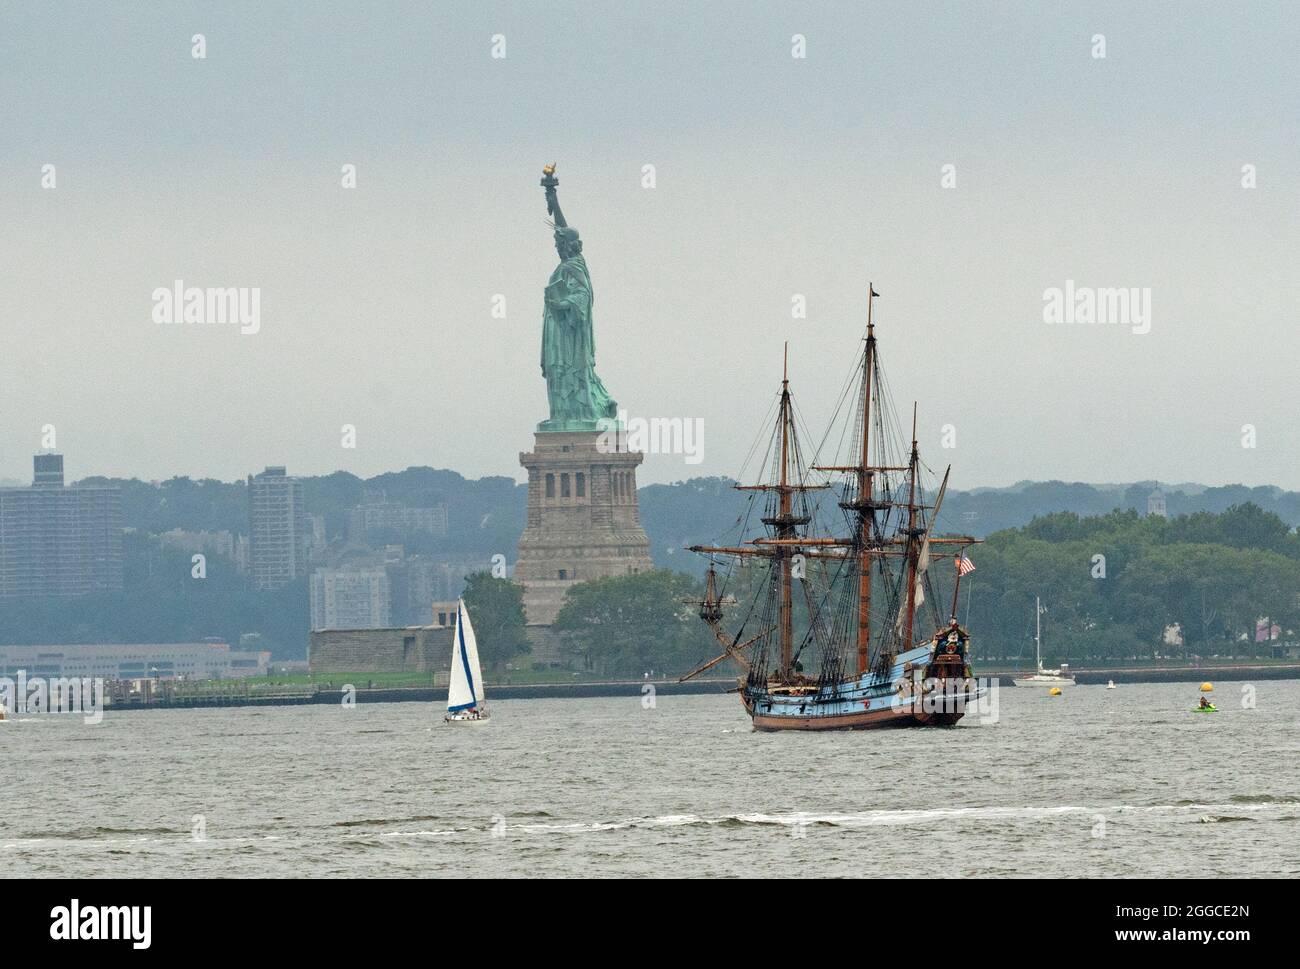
(318, 539)
(444, 614)
(419, 581)
(234, 547)
(350, 599)
(47, 471)
(1156, 504)
(134, 661)
(415, 582)
(377, 512)
(279, 528)
(57, 540)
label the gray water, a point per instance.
(1124, 782)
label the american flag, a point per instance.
(964, 564)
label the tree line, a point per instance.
(1117, 588)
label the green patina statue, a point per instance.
(579, 401)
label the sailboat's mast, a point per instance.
(1038, 633)
(912, 533)
(866, 496)
(787, 611)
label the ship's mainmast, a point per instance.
(784, 527)
(866, 495)
(864, 505)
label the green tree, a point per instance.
(496, 608)
(630, 625)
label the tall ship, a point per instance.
(831, 594)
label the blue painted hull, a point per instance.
(906, 697)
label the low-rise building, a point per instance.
(131, 661)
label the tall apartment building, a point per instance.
(278, 528)
(57, 540)
(350, 599)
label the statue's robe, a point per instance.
(569, 349)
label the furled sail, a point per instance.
(924, 562)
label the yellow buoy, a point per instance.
(1054, 691)
(1207, 687)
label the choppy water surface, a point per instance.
(1099, 782)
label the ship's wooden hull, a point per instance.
(867, 720)
(868, 702)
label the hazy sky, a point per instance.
(775, 176)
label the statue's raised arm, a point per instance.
(550, 183)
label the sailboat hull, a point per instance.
(1044, 680)
(868, 702)
(466, 721)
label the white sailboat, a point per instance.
(1049, 678)
(465, 701)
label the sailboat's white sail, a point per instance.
(466, 688)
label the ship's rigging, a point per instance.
(858, 588)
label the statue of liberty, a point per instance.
(579, 401)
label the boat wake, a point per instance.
(1206, 813)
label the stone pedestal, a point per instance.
(582, 518)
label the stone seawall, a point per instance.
(414, 649)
